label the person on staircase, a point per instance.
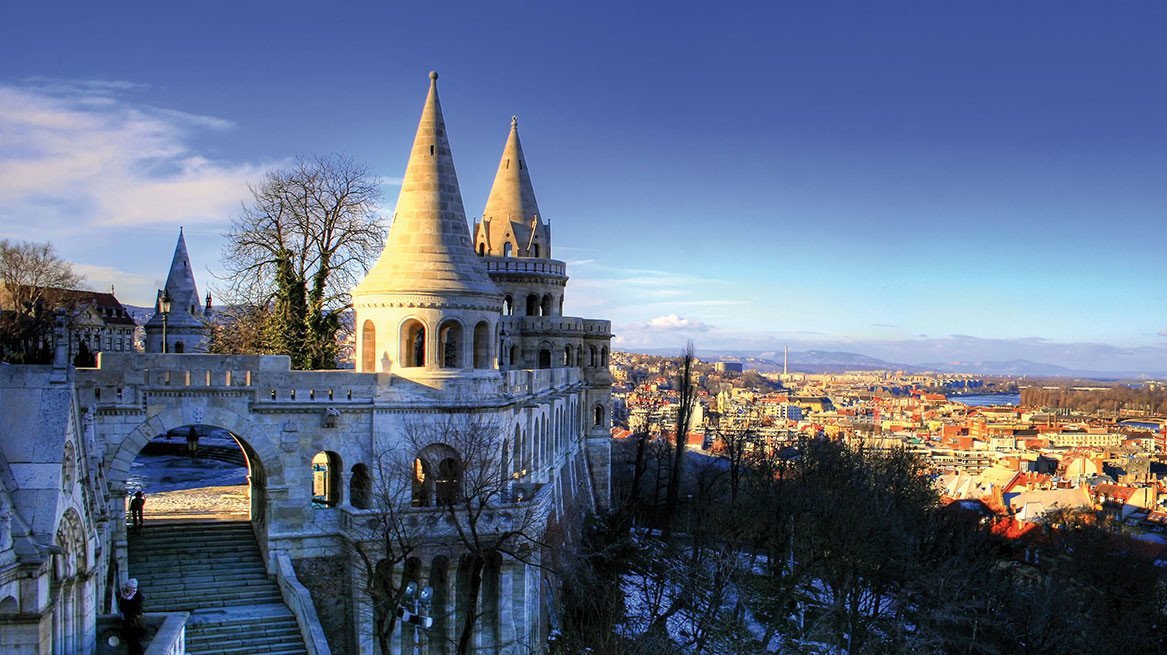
(136, 505)
(133, 620)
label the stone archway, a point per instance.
(265, 466)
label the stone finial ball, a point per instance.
(433, 75)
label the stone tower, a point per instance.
(428, 311)
(513, 230)
(185, 323)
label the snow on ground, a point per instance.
(180, 488)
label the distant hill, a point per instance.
(823, 361)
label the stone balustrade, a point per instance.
(299, 600)
(525, 266)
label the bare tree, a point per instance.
(32, 278)
(686, 397)
(462, 466)
(385, 535)
(305, 238)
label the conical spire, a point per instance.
(512, 214)
(186, 306)
(428, 249)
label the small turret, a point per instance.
(511, 224)
(183, 324)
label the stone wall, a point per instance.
(327, 580)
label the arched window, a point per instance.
(9, 606)
(481, 249)
(507, 249)
(517, 456)
(604, 356)
(450, 343)
(561, 305)
(437, 476)
(368, 347)
(544, 358)
(532, 305)
(579, 360)
(325, 479)
(412, 344)
(360, 485)
(508, 305)
(599, 415)
(179, 347)
(482, 345)
(545, 306)
(536, 250)
(567, 355)
(516, 356)
(591, 355)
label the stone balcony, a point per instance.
(525, 266)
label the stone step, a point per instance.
(180, 604)
(216, 572)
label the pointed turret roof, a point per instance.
(180, 286)
(511, 196)
(428, 249)
(512, 214)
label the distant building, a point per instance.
(728, 367)
(184, 325)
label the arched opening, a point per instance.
(482, 345)
(440, 583)
(516, 356)
(508, 305)
(517, 455)
(599, 416)
(437, 476)
(325, 479)
(198, 472)
(532, 305)
(490, 606)
(535, 250)
(579, 360)
(450, 345)
(544, 358)
(412, 344)
(360, 485)
(545, 306)
(368, 347)
(179, 347)
(604, 356)
(481, 249)
(591, 356)
(9, 606)
(567, 355)
(507, 249)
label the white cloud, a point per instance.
(82, 155)
(101, 278)
(671, 322)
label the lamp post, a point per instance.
(415, 617)
(164, 307)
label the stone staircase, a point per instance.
(215, 572)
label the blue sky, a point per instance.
(929, 181)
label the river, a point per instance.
(988, 399)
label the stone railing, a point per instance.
(525, 266)
(123, 378)
(297, 598)
(165, 634)
(438, 523)
(524, 382)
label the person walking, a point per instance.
(192, 442)
(133, 620)
(136, 505)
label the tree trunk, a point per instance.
(684, 414)
(466, 639)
